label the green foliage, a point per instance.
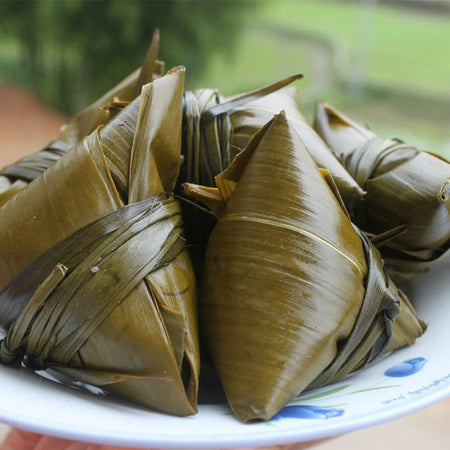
(73, 51)
(401, 47)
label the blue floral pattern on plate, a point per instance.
(301, 411)
(406, 368)
(308, 412)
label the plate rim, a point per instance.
(285, 436)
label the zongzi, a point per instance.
(216, 129)
(293, 295)
(406, 187)
(97, 286)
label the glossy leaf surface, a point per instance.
(123, 315)
(405, 187)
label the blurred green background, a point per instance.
(386, 63)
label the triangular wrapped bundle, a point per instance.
(292, 294)
(15, 177)
(406, 188)
(100, 287)
(216, 129)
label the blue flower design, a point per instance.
(308, 412)
(406, 368)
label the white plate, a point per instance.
(376, 394)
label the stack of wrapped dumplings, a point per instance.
(308, 229)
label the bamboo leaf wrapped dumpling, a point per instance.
(106, 293)
(216, 129)
(292, 294)
(405, 187)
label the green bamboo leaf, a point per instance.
(262, 363)
(129, 288)
(406, 188)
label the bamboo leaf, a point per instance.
(124, 316)
(254, 251)
(406, 188)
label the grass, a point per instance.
(395, 48)
(391, 47)
(258, 60)
(399, 47)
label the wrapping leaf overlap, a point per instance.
(288, 280)
(406, 187)
(97, 285)
(218, 129)
(96, 282)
